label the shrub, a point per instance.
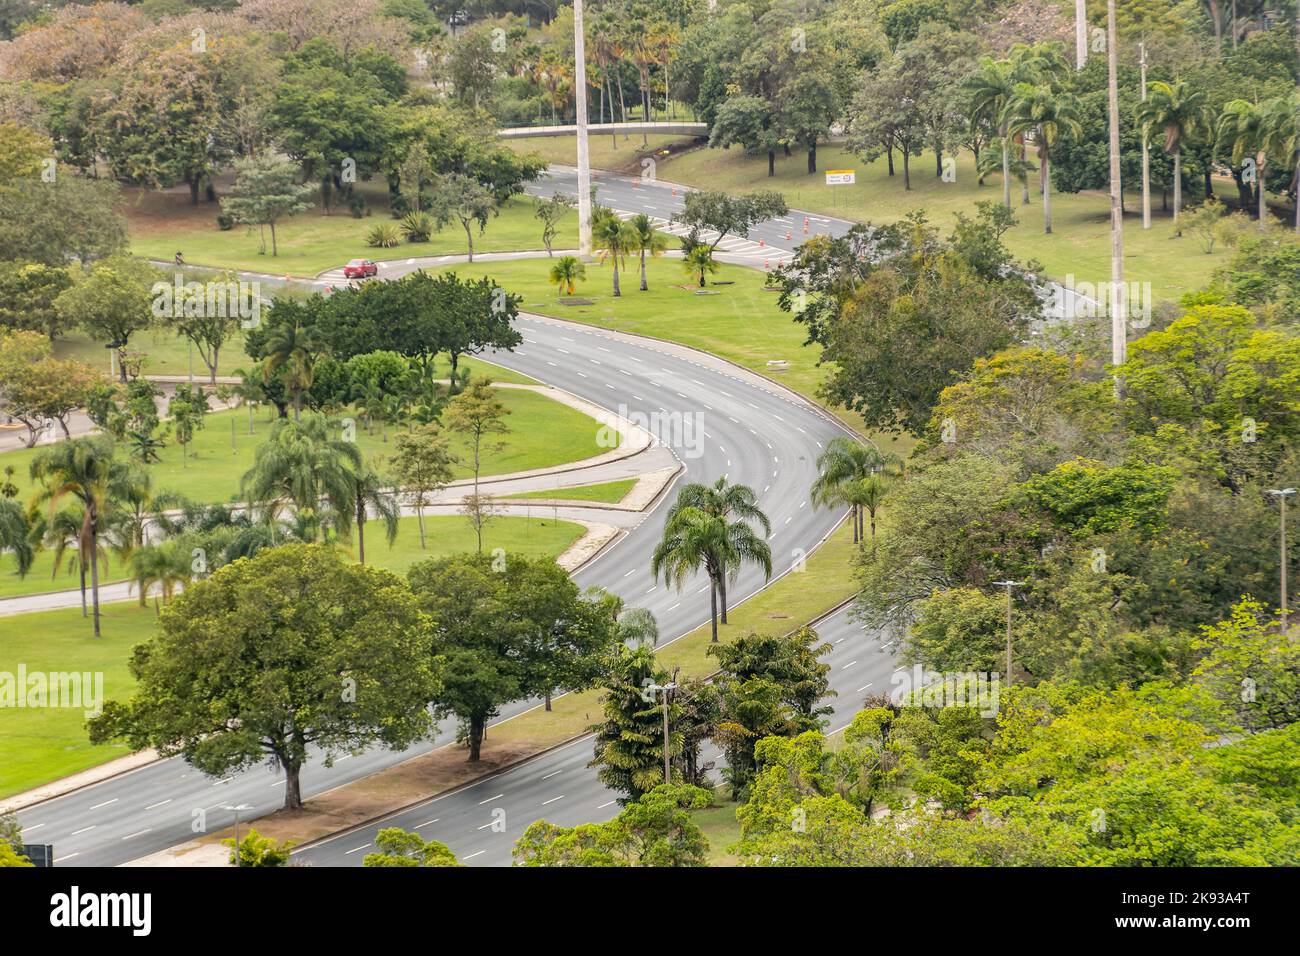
(417, 226)
(384, 236)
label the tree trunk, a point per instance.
(361, 530)
(938, 161)
(1261, 161)
(1047, 196)
(193, 183)
(292, 785)
(1006, 174)
(713, 609)
(1178, 189)
(275, 249)
(722, 597)
(1209, 183)
(889, 153)
(907, 170)
(771, 162)
(81, 570)
(853, 515)
(617, 291)
(419, 518)
(1024, 199)
(812, 157)
(94, 571)
(475, 738)
(644, 286)
(469, 239)
(548, 701)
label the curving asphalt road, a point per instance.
(718, 419)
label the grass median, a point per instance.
(38, 745)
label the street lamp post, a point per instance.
(663, 689)
(1008, 585)
(1282, 494)
(236, 808)
(584, 158)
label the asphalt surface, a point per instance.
(481, 822)
(717, 419)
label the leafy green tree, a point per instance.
(991, 88)
(1178, 111)
(307, 466)
(455, 197)
(257, 850)
(728, 215)
(509, 628)
(792, 662)
(111, 302)
(649, 242)
(477, 414)
(397, 847)
(1251, 668)
(614, 239)
(654, 830)
(266, 191)
(567, 272)
(751, 710)
(1047, 115)
(292, 349)
(749, 122)
(422, 467)
(308, 650)
(84, 471)
(629, 747)
(550, 213)
(70, 218)
(27, 294)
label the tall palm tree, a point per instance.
(1246, 129)
(1178, 112)
(614, 239)
(60, 534)
(637, 627)
(567, 272)
(14, 530)
(867, 495)
(991, 88)
(734, 503)
(694, 540)
(304, 465)
(84, 471)
(842, 467)
(649, 240)
(1038, 64)
(1046, 114)
(372, 494)
(295, 349)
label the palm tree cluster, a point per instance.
(1023, 97)
(858, 475)
(615, 239)
(709, 528)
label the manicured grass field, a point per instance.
(618, 154)
(543, 433)
(41, 578)
(40, 745)
(720, 827)
(1079, 244)
(610, 492)
(161, 223)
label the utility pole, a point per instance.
(1080, 33)
(1118, 305)
(663, 690)
(1146, 150)
(1008, 584)
(584, 158)
(1282, 494)
(237, 808)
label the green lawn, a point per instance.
(1079, 244)
(543, 433)
(40, 745)
(610, 492)
(617, 153)
(41, 578)
(169, 354)
(720, 827)
(310, 243)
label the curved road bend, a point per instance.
(740, 425)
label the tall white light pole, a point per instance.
(584, 160)
(1008, 584)
(1118, 303)
(1282, 494)
(1080, 33)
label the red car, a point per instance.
(360, 269)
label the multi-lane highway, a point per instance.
(718, 419)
